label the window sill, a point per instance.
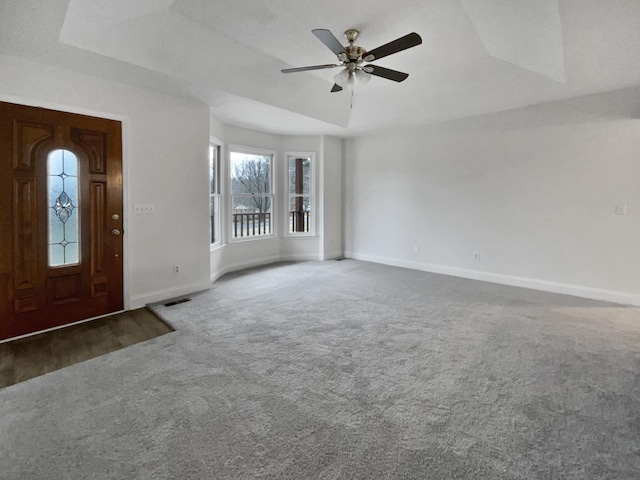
(300, 236)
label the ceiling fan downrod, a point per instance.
(354, 52)
(351, 58)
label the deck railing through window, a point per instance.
(299, 221)
(251, 224)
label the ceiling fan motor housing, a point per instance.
(354, 52)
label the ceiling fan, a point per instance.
(351, 57)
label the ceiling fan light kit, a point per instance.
(351, 57)
(350, 79)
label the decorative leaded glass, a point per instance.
(62, 174)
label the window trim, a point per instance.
(214, 142)
(312, 195)
(234, 148)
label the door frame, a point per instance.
(30, 102)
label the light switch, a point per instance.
(144, 209)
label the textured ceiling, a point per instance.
(477, 56)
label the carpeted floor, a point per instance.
(345, 370)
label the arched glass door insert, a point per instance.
(64, 214)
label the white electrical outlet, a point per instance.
(621, 209)
(176, 269)
(476, 256)
(416, 249)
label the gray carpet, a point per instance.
(345, 370)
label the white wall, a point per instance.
(331, 198)
(165, 150)
(533, 191)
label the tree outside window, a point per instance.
(251, 194)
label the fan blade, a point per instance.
(402, 43)
(329, 39)
(387, 73)
(336, 88)
(306, 69)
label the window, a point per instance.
(300, 203)
(214, 192)
(63, 231)
(251, 193)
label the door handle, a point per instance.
(115, 232)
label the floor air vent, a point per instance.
(177, 302)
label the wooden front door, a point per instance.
(60, 218)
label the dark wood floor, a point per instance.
(30, 357)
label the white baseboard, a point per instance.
(218, 274)
(299, 257)
(333, 255)
(139, 301)
(624, 298)
(242, 265)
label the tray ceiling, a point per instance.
(477, 57)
